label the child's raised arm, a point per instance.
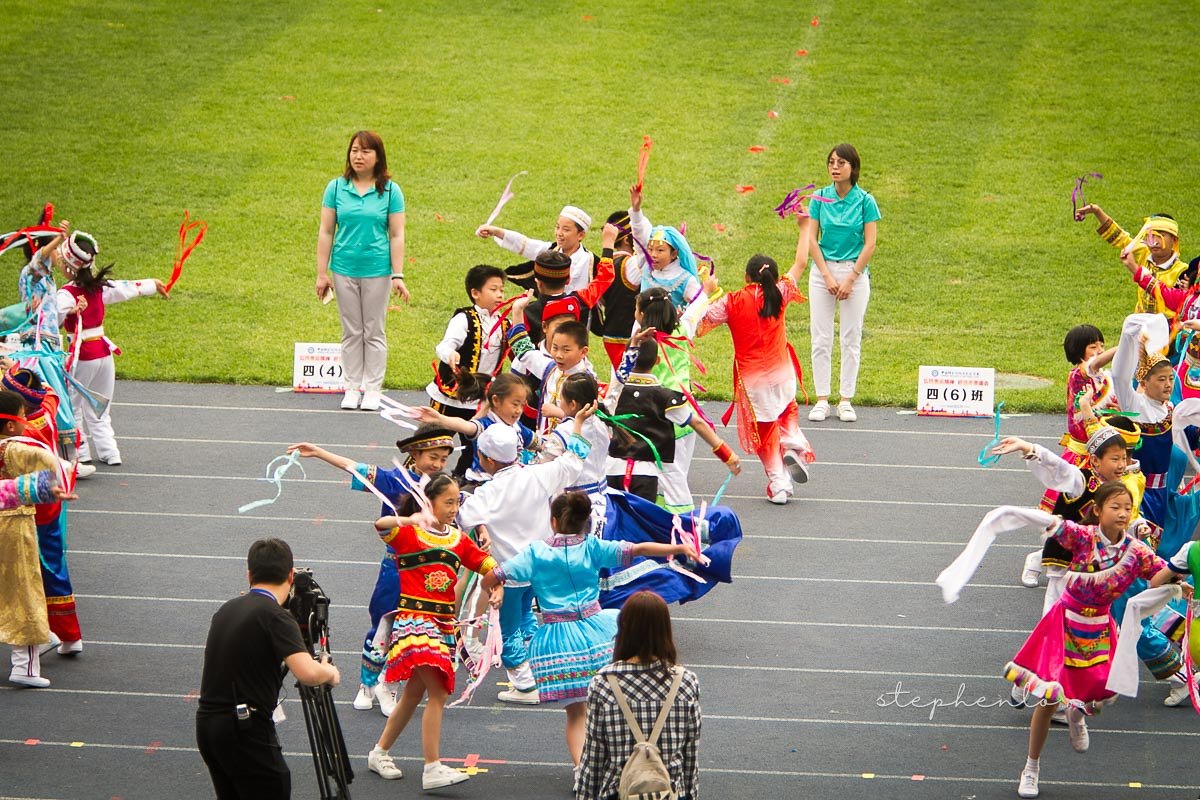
(803, 245)
(654, 549)
(463, 426)
(1167, 575)
(307, 450)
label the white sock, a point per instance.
(1031, 764)
(432, 765)
(378, 749)
(1176, 679)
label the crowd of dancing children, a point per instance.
(1117, 514)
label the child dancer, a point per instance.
(475, 344)
(1085, 351)
(569, 231)
(765, 368)
(1067, 657)
(636, 462)
(26, 478)
(1184, 303)
(576, 637)
(580, 391)
(506, 398)
(514, 505)
(50, 518)
(428, 555)
(614, 323)
(1155, 247)
(568, 356)
(426, 453)
(86, 297)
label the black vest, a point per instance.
(650, 402)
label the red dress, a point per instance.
(423, 631)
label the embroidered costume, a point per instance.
(423, 630)
(1148, 300)
(1185, 305)
(650, 411)
(576, 636)
(1074, 441)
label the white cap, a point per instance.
(499, 443)
(576, 215)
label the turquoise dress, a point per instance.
(575, 638)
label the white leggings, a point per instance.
(821, 307)
(99, 376)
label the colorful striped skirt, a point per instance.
(420, 641)
(565, 655)
(1068, 655)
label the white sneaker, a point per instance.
(794, 461)
(437, 775)
(1032, 571)
(1028, 787)
(113, 461)
(70, 648)
(1077, 730)
(84, 470)
(528, 697)
(50, 645)
(1017, 697)
(351, 399)
(371, 401)
(365, 698)
(846, 412)
(1178, 694)
(379, 762)
(778, 498)
(819, 412)
(32, 681)
(386, 698)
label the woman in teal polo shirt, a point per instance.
(840, 277)
(361, 243)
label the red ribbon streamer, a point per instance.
(186, 248)
(670, 341)
(643, 160)
(29, 233)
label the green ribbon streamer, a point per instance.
(615, 419)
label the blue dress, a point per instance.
(576, 636)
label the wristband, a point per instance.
(397, 277)
(723, 452)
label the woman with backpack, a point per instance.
(656, 756)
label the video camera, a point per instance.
(310, 606)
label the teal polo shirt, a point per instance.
(360, 241)
(842, 221)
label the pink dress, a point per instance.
(1069, 654)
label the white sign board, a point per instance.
(956, 391)
(317, 367)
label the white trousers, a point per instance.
(821, 308)
(99, 376)
(362, 307)
(26, 661)
(673, 482)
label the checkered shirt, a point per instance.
(608, 742)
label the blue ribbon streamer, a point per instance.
(276, 477)
(986, 460)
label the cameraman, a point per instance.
(250, 636)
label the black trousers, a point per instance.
(644, 486)
(244, 764)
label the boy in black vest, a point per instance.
(471, 353)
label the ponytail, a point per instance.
(762, 270)
(88, 281)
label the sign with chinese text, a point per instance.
(317, 367)
(956, 391)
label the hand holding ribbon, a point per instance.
(1078, 201)
(986, 457)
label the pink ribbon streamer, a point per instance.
(792, 202)
(371, 488)
(505, 196)
(492, 646)
(680, 536)
(397, 412)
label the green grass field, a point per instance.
(972, 120)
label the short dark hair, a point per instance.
(580, 388)
(269, 561)
(573, 512)
(574, 329)
(647, 355)
(848, 152)
(1078, 339)
(11, 404)
(480, 274)
(644, 631)
(549, 285)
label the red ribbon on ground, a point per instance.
(186, 248)
(643, 160)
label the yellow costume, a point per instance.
(1149, 302)
(23, 619)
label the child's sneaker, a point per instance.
(1032, 570)
(1077, 730)
(386, 698)
(437, 775)
(796, 466)
(380, 762)
(819, 412)
(1028, 787)
(365, 698)
(527, 697)
(1179, 691)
